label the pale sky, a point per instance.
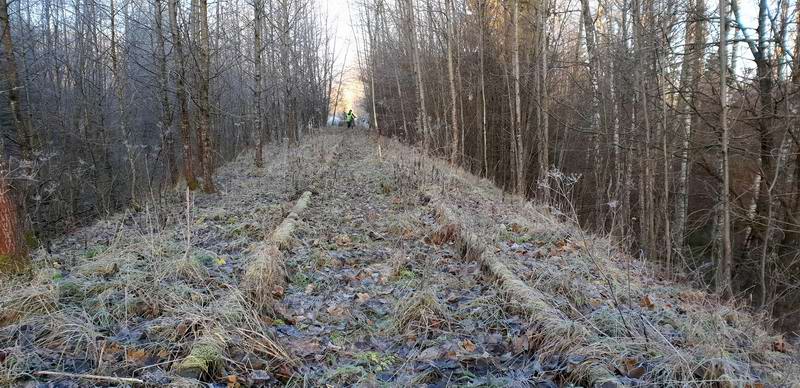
(339, 12)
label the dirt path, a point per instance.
(375, 301)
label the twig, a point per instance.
(90, 377)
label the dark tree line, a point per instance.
(107, 103)
(681, 144)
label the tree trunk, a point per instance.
(690, 76)
(180, 86)
(422, 115)
(483, 87)
(203, 102)
(20, 121)
(543, 106)
(454, 150)
(519, 153)
(258, 9)
(13, 256)
(723, 270)
(165, 125)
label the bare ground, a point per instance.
(372, 288)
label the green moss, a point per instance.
(204, 359)
(406, 274)
(192, 184)
(31, 240)
(338, 339)
(205, 259)
(301, 280)
(92, 252)
(70, 290)
(521, 239)
(377, 361)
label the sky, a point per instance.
(352, 90)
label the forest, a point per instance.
(529, 193)
(107, 103)
(634, 114)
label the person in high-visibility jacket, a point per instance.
(350, 118)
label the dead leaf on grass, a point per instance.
(362, 297)
(468, 345)
(779, 345)
(632, 368)
(647, 302)
(343, 240)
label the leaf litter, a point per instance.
(368, 290)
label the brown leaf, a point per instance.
(306, 347)
(362, 297)
(631, 368)
(278, 291)
(647, 302)
(343, 240)
(136, 356)
(779, 345)
(468, 345)
(232, 381)
(336, 311)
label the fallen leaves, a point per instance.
(362, 297)
(647, 302)
(468, 345)
(632, 368)
(336, 311)
(779, 345)
(343, 240)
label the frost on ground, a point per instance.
(370, 286)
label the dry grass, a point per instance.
(129, 282)
(404, 226)
(585, 298)
(27, 302)
(421, 316)
(265, 276)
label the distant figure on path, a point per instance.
(350, 118)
